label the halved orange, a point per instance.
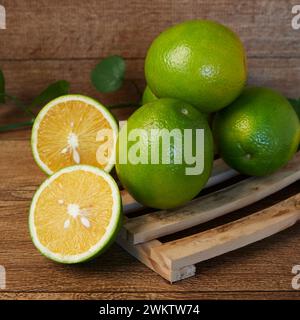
(75, 214)
(74, 129)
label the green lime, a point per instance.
(258, 133)
(165, 184)
(201, 62)
(148, 96)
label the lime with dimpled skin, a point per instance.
(258, 133)
(162, 185)
(201, 62)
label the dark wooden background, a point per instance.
(51, 40)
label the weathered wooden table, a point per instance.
(50, 40)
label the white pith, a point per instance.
(74, 210)
(72, 147)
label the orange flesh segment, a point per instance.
(59, 226)
(76, 117)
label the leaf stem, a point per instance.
(124, 105)
(19, 104)
(14, 126)
(137, 89)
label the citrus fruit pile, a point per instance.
(203, 63)
(195, 103)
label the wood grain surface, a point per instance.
(50, 40)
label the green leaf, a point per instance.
(108, 75)
(124, 105)
(2, 87)
(13, 126)
(294, 102)
(296, 105)
(53, 91)
(20, 104)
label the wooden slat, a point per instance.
(160, 223)
(211, 243)
(220, 173)
(142, 252)
(129, 203)
(74, 29)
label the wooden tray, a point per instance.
(175, 260)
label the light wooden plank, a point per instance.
(142, 253)
(231, 236)
(160, 223)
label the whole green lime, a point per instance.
(258, 133)
(200, 61)
(155, 169)
(148, 96)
